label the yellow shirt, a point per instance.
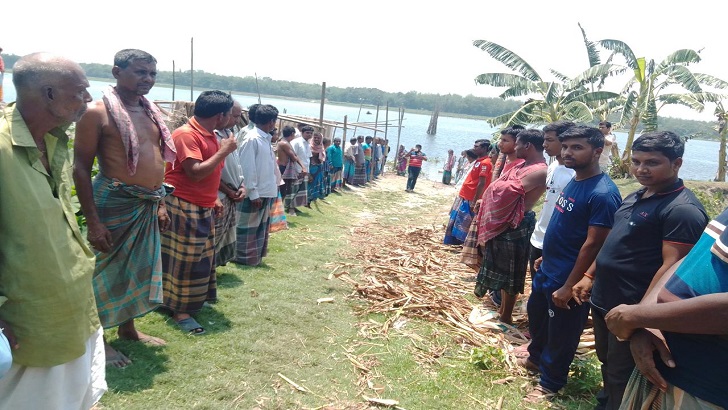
(45, 265)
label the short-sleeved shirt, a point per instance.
(589, 202)
(367, 151)
(46, 267)
(194, 142)
(416, 159)
(632, 252)
(701, 359)
(481, 168)
(557, 177)
(334, 155)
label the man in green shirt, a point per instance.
(47, 306)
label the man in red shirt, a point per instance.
(188, 247)
(477, 180)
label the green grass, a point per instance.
(267, 322)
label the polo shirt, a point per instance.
(481, 168)
(700, 359)
(46, 268)
(632, 252)
(194, 142)
(415, 160)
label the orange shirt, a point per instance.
(481, 168)
(193, 141)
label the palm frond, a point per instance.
(628, 108)
(577, 111)
(501, 80)
(710, 81)
(508, 58)
(560, 76)
(649, 116)
(597, 73)
(684, 56)
(683, 76)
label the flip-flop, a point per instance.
(539, 394)
(191, 326)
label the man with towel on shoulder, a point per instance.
(124, 203)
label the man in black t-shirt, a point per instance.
(653, 229)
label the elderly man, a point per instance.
(188, 248)
(47, 307)
(124, 208)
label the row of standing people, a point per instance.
(591, 250)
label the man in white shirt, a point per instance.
(303, 151)
(261, 186)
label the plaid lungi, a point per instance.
(127, 280)
(505, 259)
(277, 215)
(316, 184)
(335, 178)
(349, 169)
(301, 198)
(471, 255)
(225, 236)
(253, 229)
(188, 256)
(360, 175)
(641, 394)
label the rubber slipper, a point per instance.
(539, 394)
(191, 326)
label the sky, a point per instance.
(395, 46)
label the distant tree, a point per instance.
(722, 128)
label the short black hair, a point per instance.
(471, 154)
(558, 126)
(251, 112)
(288, 131)
(512, 131)
(211, 103)
(352, 140)
(593, 136)
(306, 128)
(533, 136)
(265, 114)
(123, 58)
(483, 143)
(666, 142)
(606, 124)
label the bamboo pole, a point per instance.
(257, 88)
(192, 68)
(173, 82)
(399, 133)
(323, 101)
(374, 143)
(343, 147)
(386, 140)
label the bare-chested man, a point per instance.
(123, 205)
(287, 159)
(506, 222)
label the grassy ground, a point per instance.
(268, 324)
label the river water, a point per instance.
(700, 159)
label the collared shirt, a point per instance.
(45, 265)
(303, 151)
(256, 156)
(632, 252)
(481, 167)
(194, 142)
(232, 169)
(333, 153)
(557, 177)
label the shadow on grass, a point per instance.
(228, 280)
(147, 362)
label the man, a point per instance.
(506, 146)
(336, 158)
(653, 229)
(368, 148)
(360, 172)
(476, 181)
(47, 308)
(350, 161)
(447, 169)
(188, 246)
(582, 218)
(416, 156)
(506, 221)
(317, 164)
(123, 205)
(609, 139)
(287, 162)
(261, 187)
(677, 333)
(302, 148)
(557, 176)
(231, 191)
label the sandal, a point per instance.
(539, 394)
(191, 326)
(527, 364)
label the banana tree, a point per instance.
(547, 101)
(646, 93)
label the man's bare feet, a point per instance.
(127, 331)
(115, 358)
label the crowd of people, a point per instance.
(167, 207)
(649, 267)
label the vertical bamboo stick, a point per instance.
(192, 68)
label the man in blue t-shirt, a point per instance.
(654, 228)
(688, 306)
(583, 215)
